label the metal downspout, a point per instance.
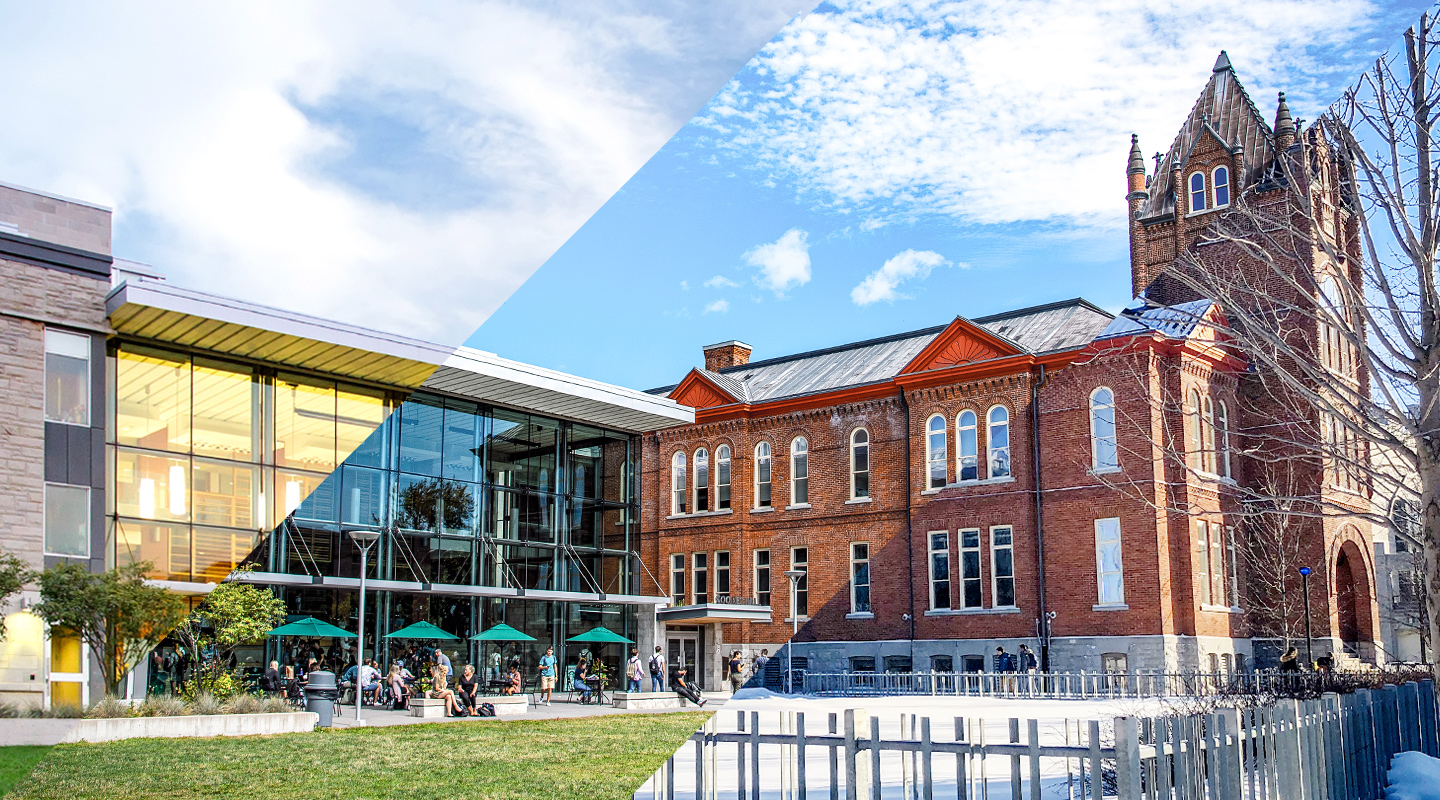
(1044, 627)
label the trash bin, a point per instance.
(320, 694)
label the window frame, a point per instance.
(1233, 574)
(722, 569)
(995, 577)
(799, 463)
(701, 489)
(679, 493)
(700, 572)
(967, 450)
(855, 471)
(1196, 455)
(87, 494)
(1222, 439)
(934, 456)
(935, 557)
(859, 562)
(764, 467)
(756, 569)
(1100, 571)
(966, 579)
(722, 478)
(1203, 192)
(1207, 434)
(679, 585)
(1202, 541)
(990, 449)
(1216, 185)
(1095, 434)
(89, 387)
(1217, 566)
(801, 592)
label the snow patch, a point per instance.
(1414, 776)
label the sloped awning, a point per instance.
(713, 614)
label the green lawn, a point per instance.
(16, 763)
(592, 758)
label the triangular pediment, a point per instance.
(962, 342)
(697, 391)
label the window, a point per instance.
(1114, 663)
(935, 451)
(702, 578)
(722, 477)
(1220, 179)
(970, 592)
(972, 663)
(860, 578)
(862, 663)
(702, 480)
(967, 461)
(1222, 437)
(762, 577)
(67, 520)
(942, 664)
(677, 580)
(67, 377)
(722, 574)
(998, 439)
(800, 560)
(939, 570)
(859, 464)
(1197, 191)
(1202, 543)
(1207, 434)
(1103, 453)
(1234, 566)
(1217, 565)
(677, 484)
(762, 475)
(1195, 459)
(1107, 561)
(1002, 566)
(899, 664)
(799, 471)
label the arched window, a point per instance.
(935, 451)
(1333, 347)
(722, 477)
(967, 453)
(702, 480)
(997, 438)
(1194, 449)
(859, 464)
(1197, 191)
(677, 484)
(1207, 432)
(1220, 179)
(799, 471)
(1103, 452)
(762, 475)
(1222, 438)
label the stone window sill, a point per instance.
(1110, 607)
(960, 612)
(968, 484)
(762, 510)
(860, 615)
(797, 507)
(1218, 609)
(1106, 471)
(855, 500)
(701, 514)
(802, 620)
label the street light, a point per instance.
(1305, 587)
(364, 540)
(794, 575)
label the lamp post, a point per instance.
(1305, 587)
(794, 575)
(364, 540)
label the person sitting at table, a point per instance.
(685, 690)
(582, 675)
(517, 683)
(369, 676)
(399, 680)
(467, 688)
(292, 686)
(440, 691)
(271, 681)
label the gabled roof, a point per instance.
(1226, 111)
(1039, 329)
(1179, 321)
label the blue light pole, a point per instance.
(1305, 584)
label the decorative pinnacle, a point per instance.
(1137, 160)
(1223, 63)
(1284, 125)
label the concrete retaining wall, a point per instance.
(110, 730)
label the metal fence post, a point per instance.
(1127, 759)
(800, 755)
(875, 784)
(754, 755)
(1410, 716)
(1289, 780)
(851, 751)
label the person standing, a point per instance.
(657, 670)
(1005, 665)
(632, 671)
(758, 668)
(442, 660)
(737, 672)
(547, 675)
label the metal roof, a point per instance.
(1176, 322)
(1039, 329)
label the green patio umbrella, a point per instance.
(421, 630)
(310, 626)
(503, 633)
(600, 635)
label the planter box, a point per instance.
(663, 699)
(507, 705)
(110, 730)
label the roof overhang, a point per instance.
(713, 614)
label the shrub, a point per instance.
(207, 703)
(64, 711)
(110, 707)
(244, 704)
(162, 705)
(10, 711)
(275, 705)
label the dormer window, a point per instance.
(1220, 179)
(1197, 191)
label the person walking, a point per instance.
(632, 671)
(657, 670)
(1029, 665)
(1005, 665)
(737, 672)
(547, 675)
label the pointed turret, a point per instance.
(1223, 63)
(1136, 170)
(1284, 126)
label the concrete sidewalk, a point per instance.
(380, 717)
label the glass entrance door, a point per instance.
(683, 650)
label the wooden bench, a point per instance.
(427, 707)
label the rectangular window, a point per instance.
(702, 578)
(1234, 567)
(67, 520)
(152, 400)
(800, 560)
(225, 420)
(1202, 545)
(677, 579)
(1108, 569)
(762, 577)
(970, 590)
(1002, 566)
(939, 570)
(305, 428)
(722, 479)
(722, 574)
(859, 578)
(1217, 564)
(67, 377)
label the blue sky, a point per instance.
(885, 167)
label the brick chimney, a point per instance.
(726, 354)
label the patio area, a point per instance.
(379, 717)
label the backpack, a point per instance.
(485, 710)
(399, 703)
(654, 665)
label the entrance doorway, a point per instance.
(683, 650)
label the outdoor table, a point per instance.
(496, 687)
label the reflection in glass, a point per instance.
(358, 412)
(310, 549)
(67, 377)
(226, 404)
(523, 451)
(152, 399)
(67, 520)
(224, 494)
(304, 424)
(150, 486)
(307, 495)
(421, 427)
(464, 441)
(215, 552)
(362, 496)
(424, 504)
(522, 566)
(166, 547)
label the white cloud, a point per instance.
(718, 307)
(881, 284)
(720, 282)
(992, 111)
(684, 286)
(784, 264)
(397, 166)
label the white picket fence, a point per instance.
(1336, 747)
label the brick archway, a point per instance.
(1354, 596)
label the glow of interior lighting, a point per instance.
(260, 510)
(177, 490)
(147, 498)
(292, 496)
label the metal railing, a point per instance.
(1068, 685)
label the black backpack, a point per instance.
(486, 710)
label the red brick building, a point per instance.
(1051, 476)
